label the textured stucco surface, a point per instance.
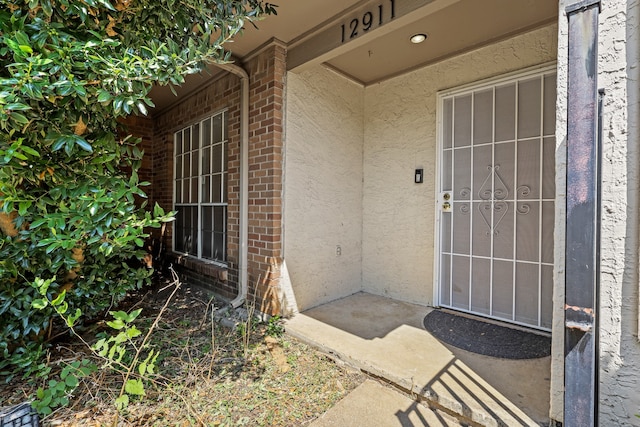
(557, 331)
(383, 221)
(323, 186)
(400, 135)
(619, 347)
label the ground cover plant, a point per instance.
(70, 227)
(206, 374)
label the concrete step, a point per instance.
(372, 404)
(385, 339)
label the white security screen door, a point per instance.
(497, 192)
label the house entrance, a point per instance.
(497, 198)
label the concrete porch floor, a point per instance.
(386, 339)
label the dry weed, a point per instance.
(208, 375)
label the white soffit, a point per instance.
(321, 31)
(460, 26)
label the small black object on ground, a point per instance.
(21, 415)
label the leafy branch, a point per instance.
(114, 350)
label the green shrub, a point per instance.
(69, 71)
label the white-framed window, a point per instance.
(200, 189)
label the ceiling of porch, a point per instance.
(312, 31)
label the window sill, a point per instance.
(209, 268)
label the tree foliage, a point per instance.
(70, 69)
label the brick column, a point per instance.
(267, 76)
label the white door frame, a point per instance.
(441, 95)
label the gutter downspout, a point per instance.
(244, 180)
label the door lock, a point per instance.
(446, 205)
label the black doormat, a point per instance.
(486, 338)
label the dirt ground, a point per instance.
(207, 374)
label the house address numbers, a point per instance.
(370, 19)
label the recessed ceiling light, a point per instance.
(418, 38)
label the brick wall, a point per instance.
(223, 93)
(267, 73)
(142, 127)
(267, 76)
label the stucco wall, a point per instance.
(619, 350)
(557, 331)
(323, 186)
(400, 135)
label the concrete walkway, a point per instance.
(386, 339)
(372, 404)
